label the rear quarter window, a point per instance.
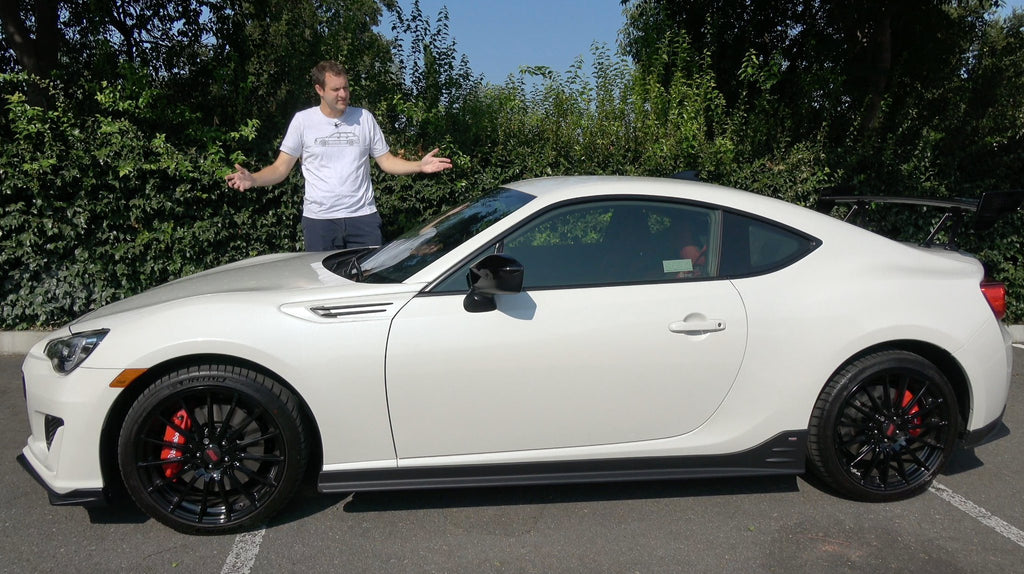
(752, 246)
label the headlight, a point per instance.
(67, 353)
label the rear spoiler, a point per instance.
(989, 208)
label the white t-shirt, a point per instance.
(335, 160)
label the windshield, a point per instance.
(400, 259)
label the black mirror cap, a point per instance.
(476, 302)
(496, 275)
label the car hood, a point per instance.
(283, 271)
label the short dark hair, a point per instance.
(320, 71)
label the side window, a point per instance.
(751, 246)
(610, 243)
(564, 247)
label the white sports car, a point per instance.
(555, 330)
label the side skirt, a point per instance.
(781, 455)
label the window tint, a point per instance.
(633, 241)
(611, 242)
(751, 246)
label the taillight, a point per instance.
(995, 294)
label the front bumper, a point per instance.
(88, 497)
(66, 415)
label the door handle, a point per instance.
(697, 327)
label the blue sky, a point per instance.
(499, 36)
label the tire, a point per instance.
(883, 427)
(213, 449)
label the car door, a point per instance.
(622, 334)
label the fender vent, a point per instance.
(334, 311)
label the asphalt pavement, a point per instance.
(971, 521)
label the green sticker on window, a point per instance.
(677, 265)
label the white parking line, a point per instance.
(980, 514)
(243, 553)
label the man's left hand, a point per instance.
(432, 164)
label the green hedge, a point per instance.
(96, 208)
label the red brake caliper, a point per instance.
(172, 434)
(907, 398)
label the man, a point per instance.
(335, 142)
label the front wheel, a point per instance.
(883, 427)
(213, 449)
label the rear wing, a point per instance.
(989, 208)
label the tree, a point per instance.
(840, 64)
(31, 38)
(31, 34)
(725, 31)
(199, 62)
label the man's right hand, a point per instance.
(241, 180)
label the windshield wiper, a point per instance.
(353, 269)
(346, 263)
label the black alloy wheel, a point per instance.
(883, 427)
(213, 449)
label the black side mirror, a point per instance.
(492, 275)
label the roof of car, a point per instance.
(560, 188)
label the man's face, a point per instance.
(333, 95)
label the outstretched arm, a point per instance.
(242, 179)
(428, 164)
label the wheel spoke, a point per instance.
(261, 457)
(886, 389)
(249, 473)
(222, 486)
(901, 390)
(915, 401)
(204, 504)
(920, 463)
(219, 436)
(852, 420)
(864, 451)
(240, 488)
(853, 440)
(863, 410)
(928, 408)
(159, 484)
(161, 462)
(163, 443)
(881, 466)
(901, 470)
(210, 418)
(180, 498)
(248, 420)
(188, 435)
(248, 442)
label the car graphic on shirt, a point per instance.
(336, 139)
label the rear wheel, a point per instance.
(883, 427)
(213, 449)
